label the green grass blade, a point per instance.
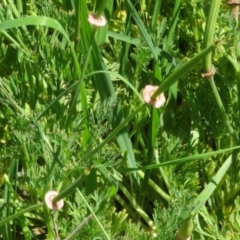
(29, 209)
(210, 31)
(33, 20)
(41, 21)
(209, 189)
(123, 38)
(182, 70)
(182, 160)
(142, 28)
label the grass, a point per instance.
(72, 119)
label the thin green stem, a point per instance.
(140, 211)
(180, 160)
(209, 32)
(13, 7)
(94, 215)
(156, 188)
(79, 227)
(156, 10)
(207, 64)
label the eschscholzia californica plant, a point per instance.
(147, 96)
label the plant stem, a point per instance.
(94, 215)
(207, 64)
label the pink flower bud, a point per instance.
(99, 22)
(147, 96)
(48, 200)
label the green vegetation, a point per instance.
(73, 120)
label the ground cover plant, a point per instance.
(119, 119)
